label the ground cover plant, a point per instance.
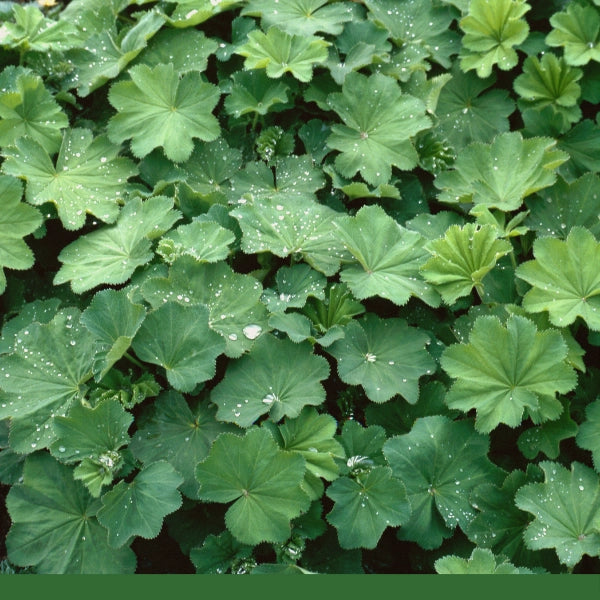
(300, 286)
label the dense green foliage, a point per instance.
(300, 285)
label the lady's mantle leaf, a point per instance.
(279, 53)
(254, 92)
(111, 254)
(294, 285)
(467, 113)
(205, 241)
(501, 174)
(92, 436)
(276, 377)
(440, 462)
(55, 526)
(286, 227)
(301, 17)
(233, 299)
(506, 370)
(218, 554)
(311, 435)
(385, 356)
(264, 481)
(139, 507)
(114, 320)
(588, 436)
(566, 509)
(389, 268)
(46, 372)
(366, 505)
(179, 339)
(17, 220)
(88, 176)
(566, 205)
(481, 562)
(378, 122)
(462, 258)
(491, 30)
(28, 108)
(565, 279)
(577, 30)
(158, 108)
(179, 433)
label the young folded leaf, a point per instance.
(506, 370)
(462, 258)
(491, 30)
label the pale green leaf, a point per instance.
(588, 436)
(88, 176)
(158, 108)
(481, 562)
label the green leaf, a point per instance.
(363, 446)
(233, 299)
(566, 509)
(188, 50)
(254, 92)
(179, 339)
(107, 53)
(379, 121)
(157, 108)
(262, 481)
(564, 279)
(294, 177)
(508, 372)
(582, 144)
(491, 31)
(468, 113)
(440, 462)
(576, 30)
(294, 285)
(588, 436)
(44, 374)
(550, 82)
(301, 17)
(299, 328)
(189, 13)
(179, 433)
(277, 377)
(566, 205)
(364, 507)
(390, 268)
(462, 258)
(92, 436)
(385, 356)
(17, 220)
(481, 562)
(112, 253)
(218, 554)
(88, 176)
(114, 320)
(204, 241)
(279, 53)
(337, 308)
(546, 438)
(501, 174)
(138, 508)
(28, 109)
(499, 524)
(31, 31)
(312, 436)
(55, 526)
(272, 225)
